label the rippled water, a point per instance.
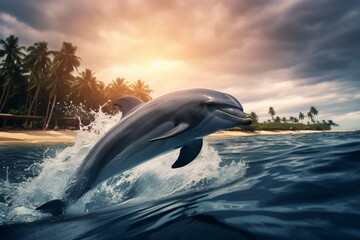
(303, 186)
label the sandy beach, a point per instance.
(36, 137)
(67, 136)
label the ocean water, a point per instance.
(303, 186)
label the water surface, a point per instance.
(303, 186)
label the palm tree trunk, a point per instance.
(51, 112)
(35, 110)
(47, 109)
(4, 88)
(33, 102)
(27, 100)
(5, 99)
(3, 94)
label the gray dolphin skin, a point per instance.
(146, 130)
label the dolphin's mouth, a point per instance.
(244, 118)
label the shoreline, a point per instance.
(20, 137)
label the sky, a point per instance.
(285, 54)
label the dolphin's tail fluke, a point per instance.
(55, 207)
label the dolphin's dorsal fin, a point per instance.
(188, 153)
(55, 207)
(174, 131)
(127, 104)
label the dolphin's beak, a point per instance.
(238, 115)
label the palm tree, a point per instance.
(310, 116)
(118, 88)
(141, 90)
(101, 97)
(332, 123)
(314, 112)
(284, 119)
(15, 80)
(65, 61)
(254, 116)
(11, 51)
(292, 119)
(277, 119)
(11, 65)
(272, 112)
(85, 88)
(38, 62)
(301, 116)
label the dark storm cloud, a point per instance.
(72, 18)
(28, 11)
(324, 37)
(319, 40)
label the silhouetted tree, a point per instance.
(254, 116)
(11, 67)
(310, 116)
(65, 61)
(86, 89)
(272, 112)
(332, 123)
(38, 62)
(118, 88)
(314, 112)
(301, 116)
(141, 90)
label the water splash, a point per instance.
(156, 179)
(152, 180)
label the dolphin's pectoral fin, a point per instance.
(127, 104)
(55, 207)
(188, 153)
(176, 130)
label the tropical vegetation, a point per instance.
(288, 123)
(36, 81)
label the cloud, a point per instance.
(325, 41)
(240, 37)
(290, 53)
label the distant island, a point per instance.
(291, 123)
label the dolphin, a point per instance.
(176, 120)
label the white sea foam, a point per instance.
(154, 179)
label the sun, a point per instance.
(164, 65)
(157, 64)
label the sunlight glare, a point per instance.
(161, 65)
